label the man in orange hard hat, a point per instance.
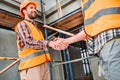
(32, 48)
(24, 4)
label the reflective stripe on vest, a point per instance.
(87, 5)
(102, 13)
(33, 55)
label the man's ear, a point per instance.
(24, 11)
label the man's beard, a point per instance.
(32, 17)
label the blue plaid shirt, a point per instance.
(96, 44)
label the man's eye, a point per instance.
(32, 8)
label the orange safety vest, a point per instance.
(31, 57)
(100, 15)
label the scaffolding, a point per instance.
(67, 62)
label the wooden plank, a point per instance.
(70, 22)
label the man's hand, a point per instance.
(58, 44)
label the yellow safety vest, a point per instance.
(100, 15)
(31, 57)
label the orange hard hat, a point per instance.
(24, 4)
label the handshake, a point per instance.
(58, 44)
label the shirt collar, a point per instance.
(31, 21)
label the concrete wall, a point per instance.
(8, 49)
(57, 71)
(67, 9)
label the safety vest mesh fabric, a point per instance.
(32, 57)
(100, 15)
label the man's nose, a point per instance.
(35, 10)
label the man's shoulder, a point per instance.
(20, 24)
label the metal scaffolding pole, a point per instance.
(72, 61)
(45, 31)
